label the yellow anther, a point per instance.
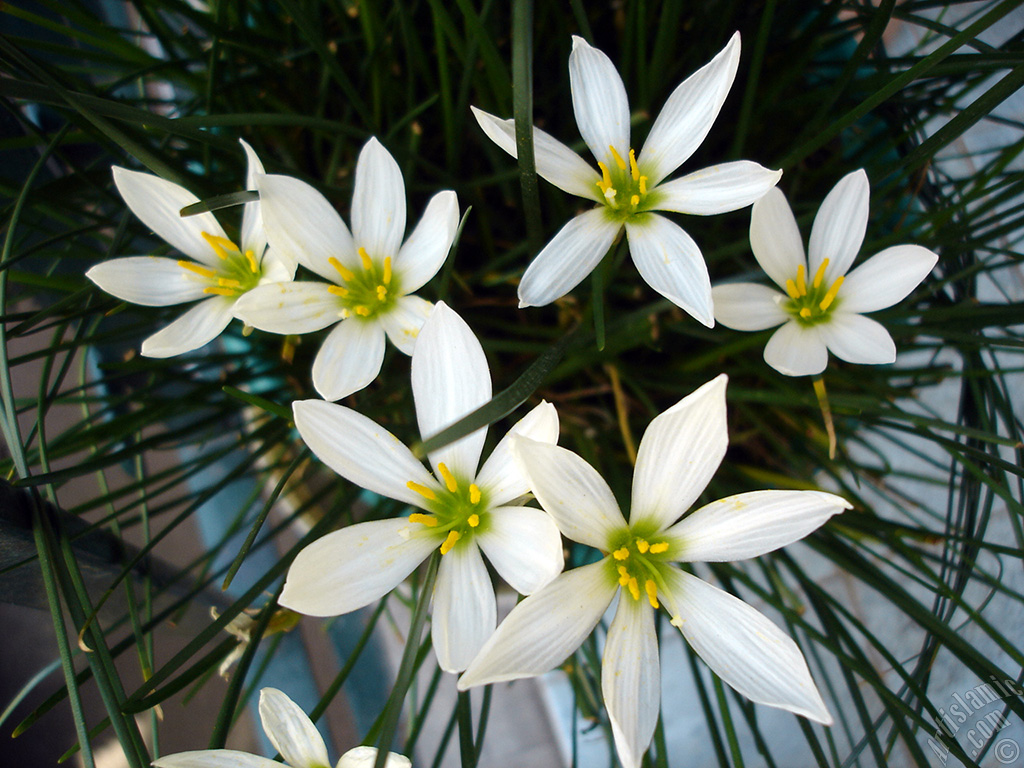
(606, 178)
(253, 266)
(474, 493)
(634, 200)
(362, 311)
(642, 546)
(623, 575)
(473, 520)
(620, 554)
(345, 314)
(801, 284)
(633, 169)
(382, 293)
(805, 313)
(831, 295)
(191, 266)
(365, 258)
(791, 290)
(634, 588)
(219, 290)
(428, 520)
(618, 158)
(227, 282)
(449, 478)
(219, 244)
(652, 592)
(661, 546)
(820, 274)
(449, 542)
(337, 290)
(422, 490)
(643, 185)
(387, 270)
(346, 273)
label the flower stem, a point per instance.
(826, 414)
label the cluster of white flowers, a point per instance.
(468, 511)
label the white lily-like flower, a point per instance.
(822, 306)
(217, 270)
(678, 455)
(628, 188)
(464, 511)
(371, 275)
(293, 735)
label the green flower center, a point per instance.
(812, 304)
(623, 187)
(638, 560)
(367, 293)
(239, 272)
(457, 512)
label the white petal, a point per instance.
(553, 159)
(366, 757)
(524, 546)
(748, 306)
(200, 325)
(858, 339)
(775, 238)
(751, 524)
(254, 237)
(718, 189)
(349, 359)
(465, 612)
(275, 269)
(291, 731)
(450, 379)
(303, 227)
(428, 245)
(500, 477)
(599, 101)
(839, 226)
(299, 307)
(158, 202)
(671, 263)
(152, 281)
(631, 679)
(689, 113)
(404, 321)
(214, 758)
(360, 450)
(352, 567)
(744, 648)
(679, 454)
(886, 278)
(571, 491)
(571, 255)
(545, 628)
(796, 350)
(378, 202)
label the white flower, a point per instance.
(219, 271)
(464, 511)
(293, 735)
(678, 455)
(822, 307)
(371, 274)
(628, 188)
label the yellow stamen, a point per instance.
(191, 266)
(618, 158)
(219, 290)
(382, 293)
(831, 295)
(642, 546)
(449, 479)
(474, 493)
(428, 520)
(634, 200)
(805, 313)
(337, 290)
(801, 284)
(623, 575)
(661, 546)
(652, 592)
(219, 244)
(362, 311)
(253, 266)
(634, 588)
(473, 520)
(791, 290)
(449, 542)
(227, 282)
(422, 490)
(633, 169)
(643, 185)
(365, 258)
(387, 270)
(346, 273)
(620, 554)
(345, 314)
(606, 178)
(820, 274)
